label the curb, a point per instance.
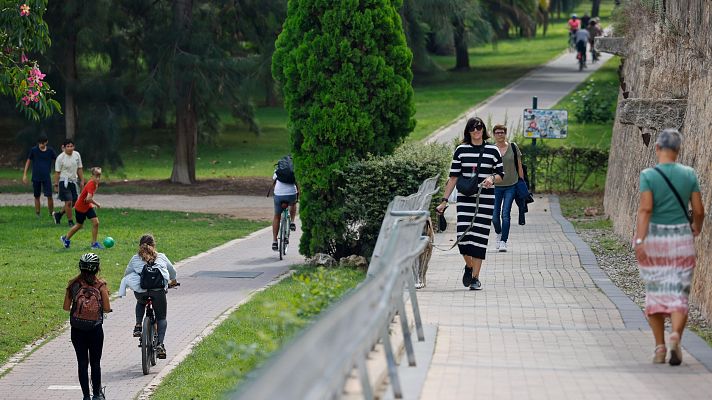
(632, 315)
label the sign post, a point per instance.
(543, 123)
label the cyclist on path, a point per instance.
(286, 190)
(147, 254)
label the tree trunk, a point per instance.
(71, 80)
(186, 115)
(595, 9)
(462, 57)
(186, 137)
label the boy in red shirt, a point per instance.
(84, 209)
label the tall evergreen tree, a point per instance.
(345, 70)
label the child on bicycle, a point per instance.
(147, 254)
(87, 333)
(285, 190)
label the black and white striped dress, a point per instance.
(464, 162)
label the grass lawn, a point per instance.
(254, 331)
(583, 134)
(35, 267)
(439, 98)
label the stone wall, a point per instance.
(666, 80)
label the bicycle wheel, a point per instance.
(146, 345)
(285, 234)
(154, 343)
(281, 236)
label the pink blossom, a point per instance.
(35, 77)
(24, 10)
(23, 58)
(32, 95)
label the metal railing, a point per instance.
(318, 362)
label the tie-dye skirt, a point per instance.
(669, 268)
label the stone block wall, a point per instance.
(667, 69)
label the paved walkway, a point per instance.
(548, 325)
(247, 207)
(550, 83)
(211, 284)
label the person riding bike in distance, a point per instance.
(574, 24)
(147, 255)
(286, 190)
(582, 36)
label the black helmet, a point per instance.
(89, 262)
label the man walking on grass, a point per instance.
(41, 158)
(68, 168)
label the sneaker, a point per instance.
(499, 238)
(137, 331)
(65, 242)
(97, 246)
(292, 227)
(161, 351)
(467, 276)
(476, 284)
(274, 246)
(497, 244)
(57, 217)
(70, 223)
(99, 395)
(502, 247)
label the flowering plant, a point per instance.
(23, 32)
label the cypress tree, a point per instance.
(344, 67)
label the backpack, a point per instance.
(285, 170)
(87, 312)
(151, 277)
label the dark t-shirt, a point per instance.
(41, 163)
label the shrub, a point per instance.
(345, 72)
(565, 169)
(596, 101)
(372, 183)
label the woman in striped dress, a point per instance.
(664, 242)
(474, 156)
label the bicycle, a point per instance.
(283, 232)
(148, 341)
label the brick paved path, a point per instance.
(542, 328)
(50, 372)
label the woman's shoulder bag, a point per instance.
(468, 186)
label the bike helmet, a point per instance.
(573, 16)
(89, 262)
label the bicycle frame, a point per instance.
(149, 337)
(283, 233)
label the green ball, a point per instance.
(109, 242)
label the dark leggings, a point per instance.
(160, 309)
(88, 346)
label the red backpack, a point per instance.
(87, 312)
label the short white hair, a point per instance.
(669, 138)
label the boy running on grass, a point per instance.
(84, 209)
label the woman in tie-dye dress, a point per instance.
(664, 242)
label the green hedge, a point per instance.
(372, 183)
(566, 169)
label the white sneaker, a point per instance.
(498, 242)
(499, 239)
(502, 247)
